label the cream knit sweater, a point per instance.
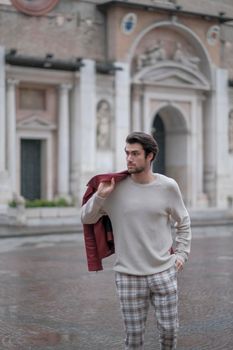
(141, 216)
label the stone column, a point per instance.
(75, 140)
(11, 133)
(88, 116)
(202, 200)
(215, 140)
(5, 187)
(122, 112)
(83, 129)
(86, 151)
(136, 117)
(63, 142)
(222, 109)
(2, 112)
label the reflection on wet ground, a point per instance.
(48, 300)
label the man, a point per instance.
(140, 209)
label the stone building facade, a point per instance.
(77, 78)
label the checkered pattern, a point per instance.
(136, 293)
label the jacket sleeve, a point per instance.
(183, 227)
(93, 260)
(92, 210)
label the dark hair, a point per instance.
(148, 143)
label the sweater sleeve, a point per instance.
(183, 227)
(92, 210)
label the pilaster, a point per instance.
(5, 194)
(136, 113)
(2, 112)
(122, 112)
(63, 141)
(84, 121)
(11, 132)
(75, 135)
(215, 140)
(202, 200)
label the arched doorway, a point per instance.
(170, 131)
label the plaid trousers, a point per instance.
(136, 293)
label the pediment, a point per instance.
(172, 74)
(35, 123)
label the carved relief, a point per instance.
(152, 56)
(103, 125)
(159, 53)
(181, 57)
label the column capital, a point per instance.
(64, 87)
(11, 82)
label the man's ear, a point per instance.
(150, 156)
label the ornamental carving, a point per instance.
(182, 57)
(152, 56)
(158, 53)
(34, 7)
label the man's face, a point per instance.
(137, 161)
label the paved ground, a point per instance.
(49, 301)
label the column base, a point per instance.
(68, 198)
(5, 191)
(202, 200)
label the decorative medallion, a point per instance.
(34, 7)
(128, 23)
(213, 35)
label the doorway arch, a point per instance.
(169, 128)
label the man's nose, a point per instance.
(129, 157)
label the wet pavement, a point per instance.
(48, 300)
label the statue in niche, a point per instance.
(103, 125)
(183, 58)
(152, 56)
(230, 131)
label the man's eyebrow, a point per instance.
(132, 150)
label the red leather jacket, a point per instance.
(98, 237)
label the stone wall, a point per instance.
(72, 29)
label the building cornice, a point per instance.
(51, 64)
(173, 10)
(47, 62)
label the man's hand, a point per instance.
(105, 188)
(179, 264)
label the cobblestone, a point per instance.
(49, 301)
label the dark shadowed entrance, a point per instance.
(31, 169)
(158, 132)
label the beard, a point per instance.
(135, 170)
